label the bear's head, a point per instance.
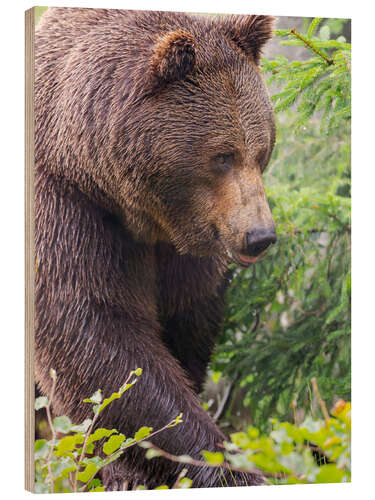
(191, 134)
(213, 137)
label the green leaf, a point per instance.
(128, 442)
(69, 443)
(113, 443)
(90, 448)
(41, 402)
(112, 458)
(62, 424)
(41, 488)
(97, 489)
(329, 473)
(100, 434)
(178, 420)
(116, 395)
(95, 398)
(41, 448)
(94, 483)
(185, 482)
(96, 460)
(213, 458)
(142, 433)
(253, 432)
(85, 475)
(63, 467)
(240, 439)
(82, 427)
(151, 453)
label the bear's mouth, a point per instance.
(244, 260)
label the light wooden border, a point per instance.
(29, 249)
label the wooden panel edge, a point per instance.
(29, 249)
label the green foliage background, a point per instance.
(288, 317)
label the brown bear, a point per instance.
(152, 133)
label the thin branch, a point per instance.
(348, 64)
(71, 482)
(322, 404)
(224, 465)
(121, 451)
(150, 435)
(257, 321)
(347, 227)
(311, 313)
(75, 479)
(179, 477)
(50, 423)
(185, 459)
(309, 44)
(226, 398)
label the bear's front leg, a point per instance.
(96, 320)
(109, 344)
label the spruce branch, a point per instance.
(309, 44)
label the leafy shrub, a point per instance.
(315, 451)
(71, 463)
(286, 456)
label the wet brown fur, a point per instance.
(133, 223)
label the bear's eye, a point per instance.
(261, 159)
(223, 162)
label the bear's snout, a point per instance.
(258, 240)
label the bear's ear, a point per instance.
(249, 33)
(173, 57)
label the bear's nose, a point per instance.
(257, 240)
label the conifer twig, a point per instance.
(309, 44)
